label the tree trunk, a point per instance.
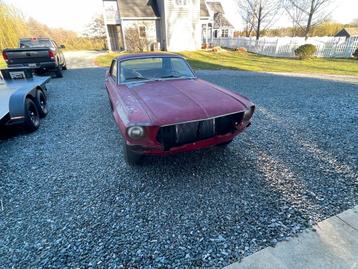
(259, 20)
(309, 22)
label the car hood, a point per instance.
(179, 100)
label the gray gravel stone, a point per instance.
(69, 200)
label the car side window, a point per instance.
(113, 70)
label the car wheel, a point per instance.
(41, 102)
(225, 144)
(64, 66)
(131, 158)
(58, 72)
(32, 116)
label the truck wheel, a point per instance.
(131, 157)
(41, 102)
(32, 117)
(58, 72)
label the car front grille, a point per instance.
(189, 132)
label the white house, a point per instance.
(174, 25)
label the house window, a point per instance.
(182, 2)
(215, 33)
(142, 32)
(225, 33)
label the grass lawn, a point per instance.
(254, 62)
(2, 62)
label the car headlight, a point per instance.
(135, 132)
(248, 114)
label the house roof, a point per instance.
(215, 7)
(220, 21)
(204, 12)
(138, 8)
(219, 16)
(349, 31)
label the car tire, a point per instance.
(64, 66)
(41, 102)
(225, 144)
(32, 116)
(58, 72)
(130, 157)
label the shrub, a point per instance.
(355, 54)
(305, 51)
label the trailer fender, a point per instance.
(17, 103)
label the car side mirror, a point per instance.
(62, 46)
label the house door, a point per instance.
(115, 37)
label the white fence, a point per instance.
(330, 47)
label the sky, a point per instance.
(68, 14)
(343, 11)
(75, 14)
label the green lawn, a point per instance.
(2, 62)
(254, 62)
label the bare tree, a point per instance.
(312, 12)
(258, 15)
(296, 15)
(249, 19)
(96, 28)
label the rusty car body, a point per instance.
(161, 107)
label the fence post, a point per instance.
(276, 48)
(348, 51)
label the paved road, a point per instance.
(81, 59)
(68, 199)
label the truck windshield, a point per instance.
(154, 68)
(35, 43)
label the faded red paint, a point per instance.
(157, 103)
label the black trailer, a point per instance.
(23, 98)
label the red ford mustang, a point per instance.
(161, 107)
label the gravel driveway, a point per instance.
(67, 199)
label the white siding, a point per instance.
(183, 26)
(163, 29)
(151, 30)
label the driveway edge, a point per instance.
(334, 244)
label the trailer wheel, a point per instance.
(58, 72)
(41, 102)
(131, 158)
(32, 116)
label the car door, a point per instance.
(111, 83)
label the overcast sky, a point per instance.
(75, 14)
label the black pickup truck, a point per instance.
(23, 98)
(39, 54)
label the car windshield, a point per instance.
(154, 68)
(35, 43)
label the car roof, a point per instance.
(130, 56)
(34, 38)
